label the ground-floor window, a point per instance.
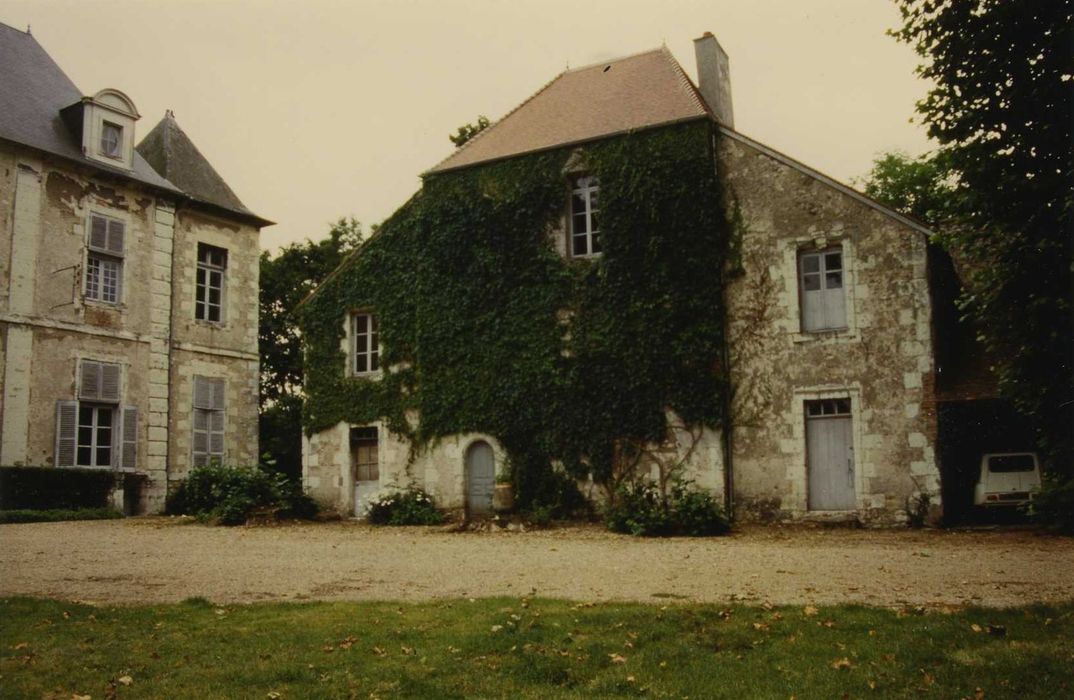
(95, 435)
(208, 433)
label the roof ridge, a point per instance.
(492, 125)
(608, 61)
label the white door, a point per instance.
(830, 455)
(480, 479)
(365, 460)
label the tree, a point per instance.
(286, 279)
(467, 131)
(919, 187)
(1000, 110)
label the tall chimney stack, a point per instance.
(714, 77)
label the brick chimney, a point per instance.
(714, 77)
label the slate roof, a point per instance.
(636, 92)
(172, 154)
(33, 90)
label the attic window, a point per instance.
(111, 140)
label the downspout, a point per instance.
(726, 432)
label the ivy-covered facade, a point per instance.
(594, 292)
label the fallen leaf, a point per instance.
(810, 610)
(617, 658)
(379, 652)
(630, 679)
(124, 680)
(328, 649)
(840, 664)
(220, 611)
(497, 628)
(978, 694)
(976, 628)
(273, 695)
(827, 623)
(760, 626)
(409, 651)
(76, 696)
(21, 645)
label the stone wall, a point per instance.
(47, 325)
(882, 361)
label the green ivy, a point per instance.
(486, 328)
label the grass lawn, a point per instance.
(529, 648)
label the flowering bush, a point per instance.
(409, 507)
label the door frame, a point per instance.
(798, 473)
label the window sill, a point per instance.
(369, 376)
(98, 304)
(835, 336)
(215, 325)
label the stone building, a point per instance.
(829, 345)
(128, 301)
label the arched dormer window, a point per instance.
(108, 128)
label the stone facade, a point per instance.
(882, 361)
(51, 325)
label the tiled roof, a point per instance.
(172, 154)
(33, 90)
(611, 97)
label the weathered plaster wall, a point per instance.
(882, 361)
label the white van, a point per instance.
(1007, 479)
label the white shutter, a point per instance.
(98, 232)
(116, 234)
(110, 376)
(66, 432)
(128, 450)
(216, 433)
(89, 381)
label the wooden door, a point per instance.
(480, 479)
(830, 455)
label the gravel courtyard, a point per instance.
(163, 560)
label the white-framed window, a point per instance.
(584, 227)
(821, 283)
(208, 433)
(104, 259)
(95, 431)
(365, 344)
(111, 140)
(209, 287)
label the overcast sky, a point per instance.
(318, 109)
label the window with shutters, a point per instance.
(821, 288)
(585, 231)
(365, 345)
(209, 295)
(104, 259)
(94, 430)
(208, 435)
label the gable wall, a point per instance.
(882, 362)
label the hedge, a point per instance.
(47, 488)
(54, 515)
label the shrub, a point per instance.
(231, 495)
(45, 488)
(1054, 505)
(641, 509)
(57, 515)
(408, 507)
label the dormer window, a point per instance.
(106, 123)
(111, 140)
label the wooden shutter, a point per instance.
(98, 232)
(66, 432)
(217, 394)
(110, 384)
(202, 393)
(116, 234)
(128, 449)
(89, 380)
(216, 433)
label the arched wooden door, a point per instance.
(480, 478)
